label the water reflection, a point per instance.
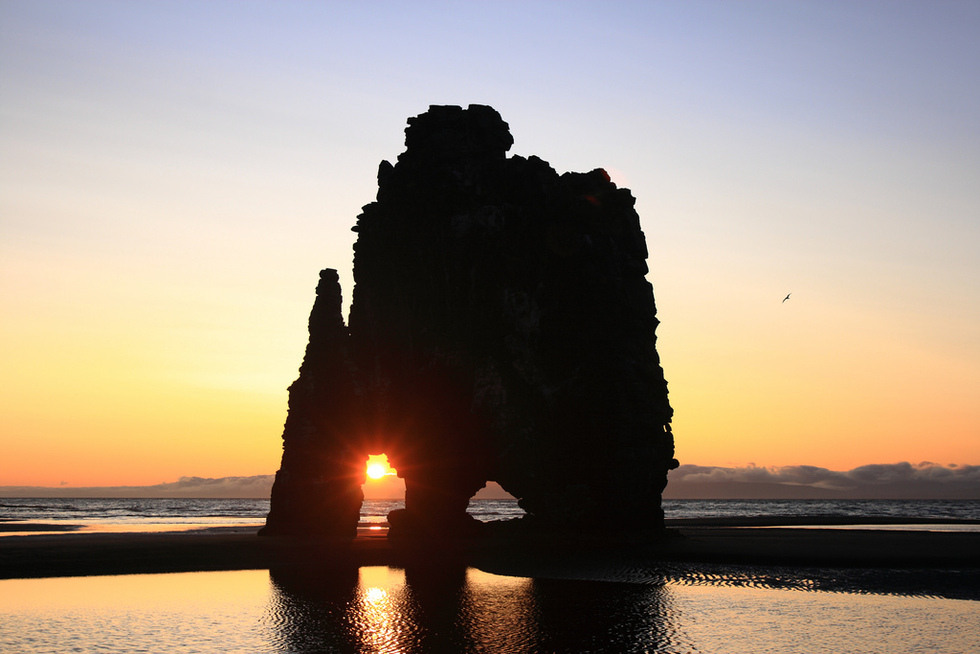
(338, 609)
(449, 608)
(308, 607)
(596, 616)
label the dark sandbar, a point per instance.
(915, 562)
(36, 526)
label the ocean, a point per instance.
(176, 514)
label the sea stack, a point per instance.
(502, 329)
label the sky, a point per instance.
(174, 175)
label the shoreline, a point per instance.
(945, 564)
(9, 525)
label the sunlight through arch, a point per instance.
(378, 467)
(384, 491)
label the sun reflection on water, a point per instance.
(445, 607)
(378, 616)
(374, 596)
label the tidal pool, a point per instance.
(382, 609)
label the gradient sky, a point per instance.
(174, 175)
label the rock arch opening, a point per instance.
(383, 490)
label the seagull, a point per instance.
(786, 298)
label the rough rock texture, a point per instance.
(501, 329)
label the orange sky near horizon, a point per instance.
(172, 181)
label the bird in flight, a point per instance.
(786, 298)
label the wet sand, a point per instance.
(28, 527)
(914, 562)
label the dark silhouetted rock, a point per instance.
(501, 329)
(317, 490)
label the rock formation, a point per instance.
(317, 490)
(501, 329)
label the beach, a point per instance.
(737, 586)
(937, 563)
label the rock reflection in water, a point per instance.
(308, 607)
(454, 608)
(598, 616)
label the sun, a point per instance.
(378, 467)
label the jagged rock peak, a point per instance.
(449, 133)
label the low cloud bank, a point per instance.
(258, 486)
(222, 487)
(878, 481)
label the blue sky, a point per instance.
(174, 175)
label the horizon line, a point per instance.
(897, 481)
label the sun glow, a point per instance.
(378, 467)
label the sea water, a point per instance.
(382, 609)
(166, 514)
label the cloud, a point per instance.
(878, 481)
(222, 487)
(255, 486)
(258, 486)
